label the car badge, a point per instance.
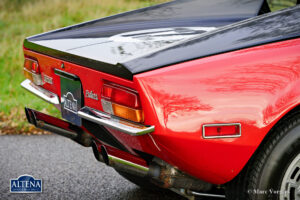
(70, 103)
(91, 95)
(47, 79)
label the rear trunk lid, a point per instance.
(109, 43)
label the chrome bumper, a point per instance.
(40, 92)
(113, 122)
(91, 114)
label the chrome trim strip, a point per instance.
(207, 195)
(126, 162)
(40, 92)
(227, 136)
(114, 122)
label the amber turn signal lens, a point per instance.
(128, 113)
(28, 74)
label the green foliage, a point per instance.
(281, 4)
(22, 18)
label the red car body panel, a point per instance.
(255, 87)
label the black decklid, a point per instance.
(109, 43)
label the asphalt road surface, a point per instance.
(68, 171)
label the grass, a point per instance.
(22, 18)
(280, 4)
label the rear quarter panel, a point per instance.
(255, 87)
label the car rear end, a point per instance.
(100, 104)
(130, 112)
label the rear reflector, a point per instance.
(221, 130)
(122, 102)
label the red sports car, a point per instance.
(200, 97)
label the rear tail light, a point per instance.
(32, 71)
(122, 102)
(221, 130)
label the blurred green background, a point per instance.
(22, 18)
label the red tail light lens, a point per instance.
(119, 95)
(35, 67)
(31, 65)
(122, 102)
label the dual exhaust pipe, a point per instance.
(158, 171)
(58, 126)
(118, 163)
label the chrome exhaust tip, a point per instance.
(96, 153)
(58, 126)
(104, 155)
(30, 116)
(118, 163)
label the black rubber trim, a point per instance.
(103, 135)
(66, 75)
